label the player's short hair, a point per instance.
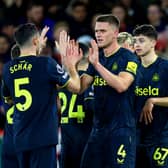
(15, 51)
(24, 33)
(146, 30)
(84, 43)
(125, 37)
(111, 19)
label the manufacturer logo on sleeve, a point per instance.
(59, 69)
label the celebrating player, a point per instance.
(113, 72)
(29, 83)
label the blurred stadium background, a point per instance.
(78, 18)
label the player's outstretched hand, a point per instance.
(69, 50)
(63, 43)
(73, 54)
(146, 113)
(94, 53)
(43, 39)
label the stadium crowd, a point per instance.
(78, 18)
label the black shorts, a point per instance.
(42, 157)
(154, 156)
(74, 139)
(9, 160)
(110, 149)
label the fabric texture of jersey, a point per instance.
(8, 155)
(74, 106)
(153, 82)
(31, 82)
(112, 108)
(75, 132)
(7, 143)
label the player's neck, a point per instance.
(82, 67)
(27, 52)
(111, 49)
(149, 59)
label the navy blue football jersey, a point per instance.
(8, 155)
(153, 82)
(114, 109)
(73, 106)
(8, 146)
(76, 124)
(31, 82)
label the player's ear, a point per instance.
(35, 41)
(126, 45)
(116, 32)
(153, 43)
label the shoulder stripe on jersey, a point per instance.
(88, 98)
(61, 87)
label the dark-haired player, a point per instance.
(152, 100)
(30, 84)
(76, 121)
(8, 155)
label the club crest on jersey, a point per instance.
(146, 91)
(155, 77)
(114, 66)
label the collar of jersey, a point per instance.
(111, 54)
(146, 66)
(26, 55)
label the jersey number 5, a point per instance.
(22, 92)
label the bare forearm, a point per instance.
(74, 82)
(160, 101)
(112, 80)
(86, 81)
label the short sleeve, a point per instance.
(131, 64)
(56, 73)
(90, 70)
(89, 99)
(164, 72)
(89, 93)
(131, 67)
